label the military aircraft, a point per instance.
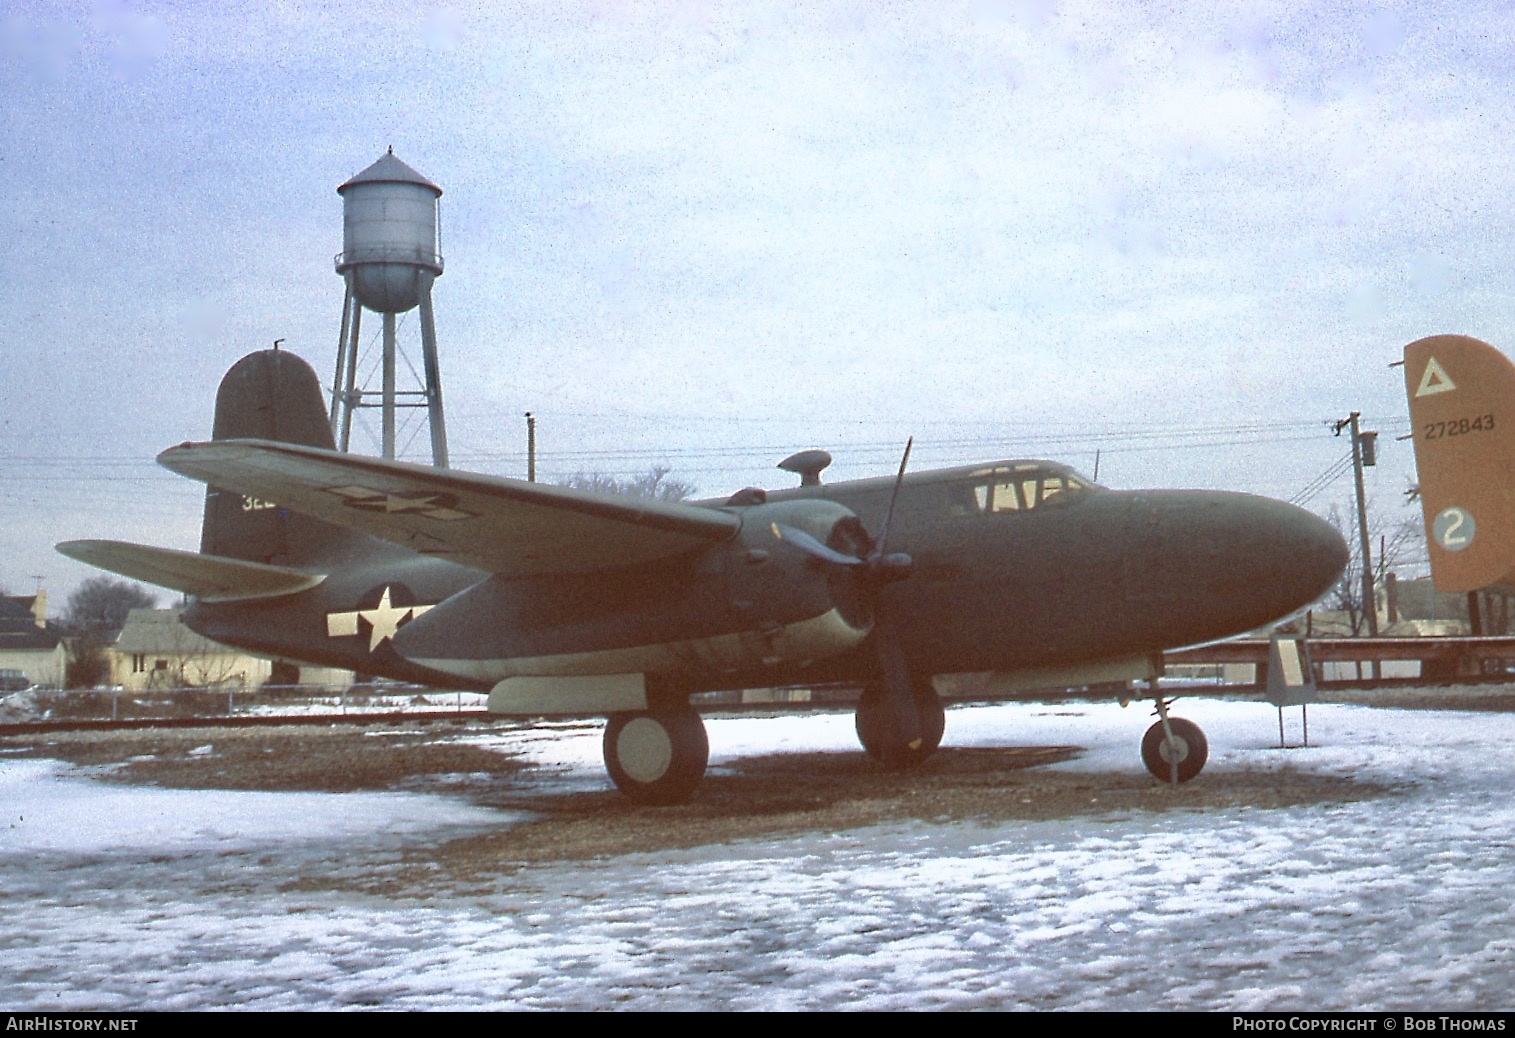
(560, 601)
(1462, 409)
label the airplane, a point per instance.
(1462, 412)
(559, 601)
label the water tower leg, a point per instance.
(337, 380)
(350, 398)
(433, 382)
(389, 386)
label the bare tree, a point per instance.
(100, 604)
(94, 615)
(1395, 542)
(193, 661)
(654, 484)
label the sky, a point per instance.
(1393, 895)
(1185, 237)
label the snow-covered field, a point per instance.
(145, 898)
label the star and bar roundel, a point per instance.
(396, 606)
(439, 506)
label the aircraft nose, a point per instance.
(1224, 563)
(1311, 553)
(1276, 557)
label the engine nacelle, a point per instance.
(778, 583)
(744, 605)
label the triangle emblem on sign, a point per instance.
(1435, 380)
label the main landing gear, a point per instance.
(1174, 750)
(876, 727)
(657, 756)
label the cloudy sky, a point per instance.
(707, 235)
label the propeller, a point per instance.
(877, 567)
(814, 547)
(887, 568)
(896, 566)
(878, 564)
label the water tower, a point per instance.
(389, 258)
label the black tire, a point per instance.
(657, 757)
(1193, 750)
(876, 730)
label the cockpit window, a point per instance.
(998, 497)
(1016, 488)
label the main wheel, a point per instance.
(1188, 747)
(876, 729)
(657, 757)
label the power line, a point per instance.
(1335, 471)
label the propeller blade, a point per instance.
(901, 696)
(883, 538)
(885, 568)
(811, 546)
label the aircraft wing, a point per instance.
(211, 577)
(506, 526)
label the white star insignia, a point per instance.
(432, 506)
(384, 620)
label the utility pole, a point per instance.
(1363, 454)
(531, 448)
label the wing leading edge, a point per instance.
(506, 526)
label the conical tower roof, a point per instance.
(389, 170)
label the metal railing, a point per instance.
(417, 257)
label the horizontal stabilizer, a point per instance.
(506, 526)
(209, 577)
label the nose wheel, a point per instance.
(1174, 750)
(657, 757)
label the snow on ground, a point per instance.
(53, 811)
(117, 898)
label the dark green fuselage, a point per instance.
(1067, 573)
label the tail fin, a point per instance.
(1462, 408)
(270, 395)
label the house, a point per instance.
(155, 650)
(30, 644)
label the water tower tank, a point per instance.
(389, 235)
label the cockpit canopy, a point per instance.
(1022, 486)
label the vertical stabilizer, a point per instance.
(270, 395)
(1462, 410)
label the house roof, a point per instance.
(19, 628)
(18, 607)
(29, 636)
(156, 631)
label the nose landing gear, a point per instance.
(1174, 750)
